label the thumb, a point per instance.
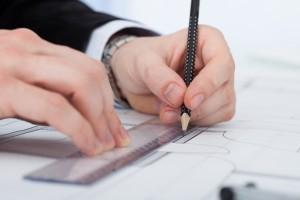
(164, 82)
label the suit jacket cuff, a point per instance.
(101, 35)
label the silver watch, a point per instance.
(109, 50)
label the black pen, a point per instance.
(189, 67)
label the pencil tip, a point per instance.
(185, 120)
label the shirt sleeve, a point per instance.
(100, 36)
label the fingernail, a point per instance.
(197, 101)
(171, 116)
(173, 93)
(124, 136)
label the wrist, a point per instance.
(110, 51)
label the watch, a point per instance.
(109, 50)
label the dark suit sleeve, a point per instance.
(66, 22)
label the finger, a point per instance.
(31, 42)
(27, 40)
(104, 134)
(68, 72)
(61, 75)
(46, 107)
(224, 114)
(220, 99)
(207, 82)
(87, 88)
(224, 96)
(219, 69)
(24, 39)
(80, 86)
(100, 112)
(169, 115)
(113, 122)
(113, 134)
(148, 104)
(165, 83)
(119, 133)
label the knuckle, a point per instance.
(11, 55)
(24, 34)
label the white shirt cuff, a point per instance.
(101, 35)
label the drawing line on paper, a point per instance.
(223, 149)
(275, 126)
(267, 175)
(185, 144)
(182, 176)
(227, 137)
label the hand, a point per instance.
(56, 85)
(150, 70)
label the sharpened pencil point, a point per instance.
(185, 120)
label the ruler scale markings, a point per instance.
(78, 169)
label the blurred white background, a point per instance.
(270, 27)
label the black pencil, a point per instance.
(189, 68)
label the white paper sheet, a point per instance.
(263, 140)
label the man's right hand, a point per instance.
(59, 86)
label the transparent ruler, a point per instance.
(79, 169)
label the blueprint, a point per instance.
(262, 141)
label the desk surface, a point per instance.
(261, 144)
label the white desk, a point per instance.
(266, 131)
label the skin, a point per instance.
(58, 86)
(148, 67)
(55, 85)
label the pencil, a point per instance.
(191, 50)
